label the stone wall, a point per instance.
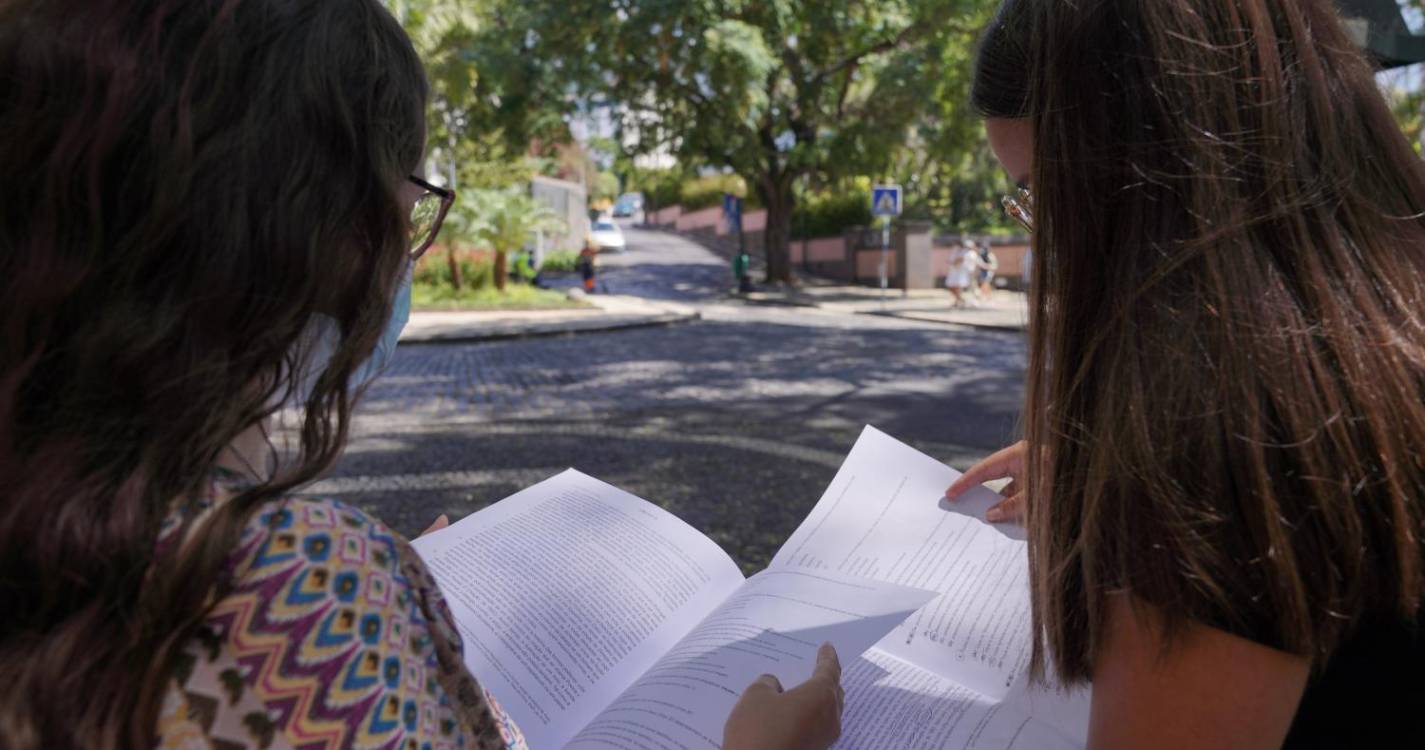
(916, 259)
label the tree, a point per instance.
(771, 89)
(502, 220)
(465, 146)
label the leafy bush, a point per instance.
(515, 296)
(661, 188)
(831, 214)
(560, 260)
(705, 192)
(477, 269)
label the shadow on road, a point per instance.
(735, 427)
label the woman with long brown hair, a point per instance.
(209, 210)
(1222, 473)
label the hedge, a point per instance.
(830, 215)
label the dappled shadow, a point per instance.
(735, 427)
(738, 489)
(962, 387)
(670, 282)
(736, 424)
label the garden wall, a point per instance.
(916, 259)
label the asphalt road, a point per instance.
(736, 422)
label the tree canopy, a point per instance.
(773, 90)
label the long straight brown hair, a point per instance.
(1227, 341)
(186, 183)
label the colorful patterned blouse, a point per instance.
(333, 636)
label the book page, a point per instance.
(892, 704)
(773, 624)
(884, 517)
(565, 592)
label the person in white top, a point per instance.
(964, 262)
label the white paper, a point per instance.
(892, 704)
(884, 517)
(773, 624)
(609, 581)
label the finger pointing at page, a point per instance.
(1007, 462)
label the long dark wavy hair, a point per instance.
(186, 183)
(1224, 409)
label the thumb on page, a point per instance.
(441, 521)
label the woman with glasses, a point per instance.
(208, 214)
(1223, 475)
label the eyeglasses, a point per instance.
(427, 215)
(1020, 207)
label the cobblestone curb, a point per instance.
(500, 332)
(610, 313)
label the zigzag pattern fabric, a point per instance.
(333, 635)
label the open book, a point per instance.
(601, 620)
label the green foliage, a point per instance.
(561, 260)
(1407, 103)
(772, 90)
(661, 188)
(432, 286)
(513, 297)
(499, 219)
(467, 143)
(781, 92)
(477, 270)
(708, 191)
(603, 188)
(831, 214)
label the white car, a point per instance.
(607, 236)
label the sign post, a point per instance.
(885, 203)
(741, 263)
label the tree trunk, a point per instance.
(454, 265)
(501, 270)
(780, 202)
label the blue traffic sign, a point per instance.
(732, 211)
(886, 200)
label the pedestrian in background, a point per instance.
(989, 265)
(960, 278)
(522, 267)
(1223, 472)
(588, 260)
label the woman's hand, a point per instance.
(807, 717)
(1007, 462)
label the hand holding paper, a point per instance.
(1006, 462)
(807, 716)
(772, 625)
(601, 620)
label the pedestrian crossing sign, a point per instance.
(886, 200)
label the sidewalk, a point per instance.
(608, 312)
(1005, 310)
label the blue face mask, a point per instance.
(320, 338)
(386, 347)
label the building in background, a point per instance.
(571, 202)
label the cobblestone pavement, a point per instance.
(736, 422)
